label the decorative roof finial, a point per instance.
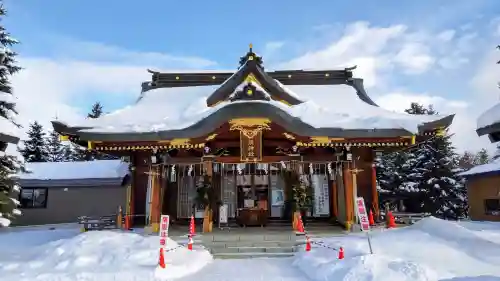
(251, 56)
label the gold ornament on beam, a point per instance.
(211, 137)
(250, 127)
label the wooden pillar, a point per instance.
(207, 218)
(374, 191)
(348, 192)
(155, 211)
(131, 193)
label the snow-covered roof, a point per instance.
(99, 169)
(8, 131)
(492, 167)
(489, 117)
(328, 106)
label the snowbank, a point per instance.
(432, 249)
(105, 255)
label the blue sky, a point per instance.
(428, 49)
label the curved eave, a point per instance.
(267, 82)
(493, 132)
(8, 138)
(236, 110)
(444, 122)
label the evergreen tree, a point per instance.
(431, 181)
(55, 149)
(466, 160)
(388, 168)
(96, 111)
(482, 157)
(86, 155)
(72, 152)
(10, 165)
(35, 148)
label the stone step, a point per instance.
(218, 250)
(238, 237)
(251, 255)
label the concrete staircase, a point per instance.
(235, 244)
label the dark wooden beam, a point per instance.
(286, 77)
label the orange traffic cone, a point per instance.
(161, 260)
(391, 223)
(370, 219)
(341, 253)
(192, 229)
(308, 244)
(190, 243)
(300, 224)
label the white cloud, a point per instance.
(415, 58)
(273, 46)
(382, 53)
(46, 88)
(446, 35)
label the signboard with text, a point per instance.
(362, 214)
(164, 223)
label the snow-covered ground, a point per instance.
(431, 250)
(66, 254)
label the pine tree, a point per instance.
(35, 148)
(10, 165)
(96, 111)
(55, 149)
(388, 168)
(482, 157)
(86, 155)
(432, 183)
(72, 152)
(466, 160)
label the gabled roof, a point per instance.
(251, 72)
(159, 115)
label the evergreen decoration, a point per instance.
(10, 166)
(205, 194)
(35, 147)
(55, 149)
(297, 188)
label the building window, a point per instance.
(33, 198)
(492, 206)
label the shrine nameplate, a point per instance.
(251, 146)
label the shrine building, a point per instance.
(244, 132)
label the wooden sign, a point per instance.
(251, 146)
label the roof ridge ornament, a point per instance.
(251, 56)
